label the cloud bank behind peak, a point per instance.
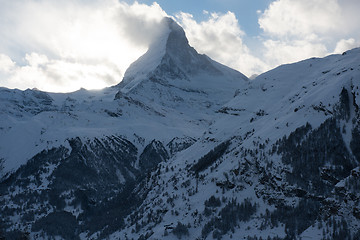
(63, 46)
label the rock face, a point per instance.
(153, 154)
(185, 147)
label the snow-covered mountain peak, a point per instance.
(171, 56)
(184, 56)
(147, 62)
(173, 74)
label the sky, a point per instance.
(62, 46)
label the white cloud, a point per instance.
(66, 45)
(6, 64)
(52, 75)
(36, 60)
(301, 18)
(280, 52)
(345, 44)
(298, 29)
(220, 37)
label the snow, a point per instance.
(288, 95)
(301, 86)
(140, 69)
(23, 137)
(183, 106)
(202, 100)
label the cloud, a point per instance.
(52, 75)
(221, 38)
(280, 52)
(300, 18)
(65, 45)
(299, 29)
(345, 44)
(6, 64)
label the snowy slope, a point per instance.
(283, 99)
(264, 117)
(81, 114)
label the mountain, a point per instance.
(174, 75)
(186, 148)
(162, 87)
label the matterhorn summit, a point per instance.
(173, 74)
